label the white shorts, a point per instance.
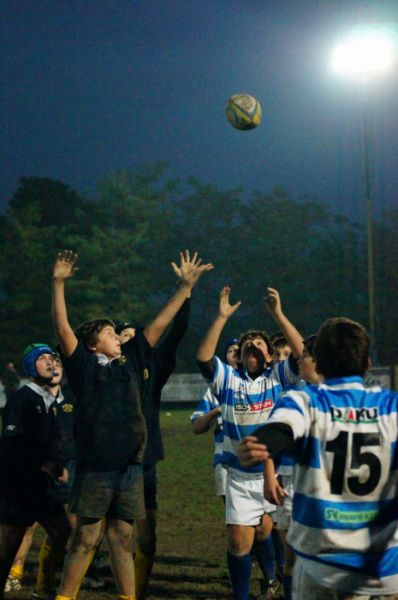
(284, 512)
(244, 498)
(220, 476)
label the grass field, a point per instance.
(190, 560)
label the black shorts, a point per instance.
(26, 497)
(150, 487)
(118, 494)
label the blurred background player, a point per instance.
(29, 457)
(246, 397)
(208, 413)
(281, 348)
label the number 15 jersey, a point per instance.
(345, 506)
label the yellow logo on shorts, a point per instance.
(68, 408)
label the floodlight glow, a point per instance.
(366, 53)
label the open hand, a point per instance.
(190, 269)
(64, 266)
(226, 309)
(273, 302)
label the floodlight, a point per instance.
(366, 53)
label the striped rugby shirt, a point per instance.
(345, 506)
(204, 406)
(247, 403)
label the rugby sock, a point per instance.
(278, 548)
(143, 567)
(50, 558)
(121, 597)
(240, 568)
(287, 586)
(89, 560)
(265, 555)
(58, 597)
(16, 571)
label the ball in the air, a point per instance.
(243, 111)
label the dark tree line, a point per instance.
(137, 223)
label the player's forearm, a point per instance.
(293, 337)
(62, 326)
(208, 345)
(154, 330)
(204, 422)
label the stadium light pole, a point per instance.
(365, 55)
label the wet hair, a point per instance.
(341, 348)
(251, 334)
(88, 332)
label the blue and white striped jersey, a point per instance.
(345, 508)
(204, 406)
(247, 403)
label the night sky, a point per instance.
(93, 86)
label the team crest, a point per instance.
(68, 408)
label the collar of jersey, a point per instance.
(43, 392)
(104, 360)
(353, 381)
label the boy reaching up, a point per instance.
(247, 395)
(110, 427)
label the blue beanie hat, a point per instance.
(30, 356)
(229, 342)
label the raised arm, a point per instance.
(293, 337)
(64, 268)
(189, 271)
(209, 343)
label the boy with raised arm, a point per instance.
(247, 396)
(110, 427)
(343, 435)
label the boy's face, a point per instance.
(108, 342)
(254, 354)
(282, 353)
(58, 372)
(126, 334)
(307, 368)
(232, 355)
(45, 366)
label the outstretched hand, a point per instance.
(64, 266)
(273, 302)
(190, 269)
(226, 309)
